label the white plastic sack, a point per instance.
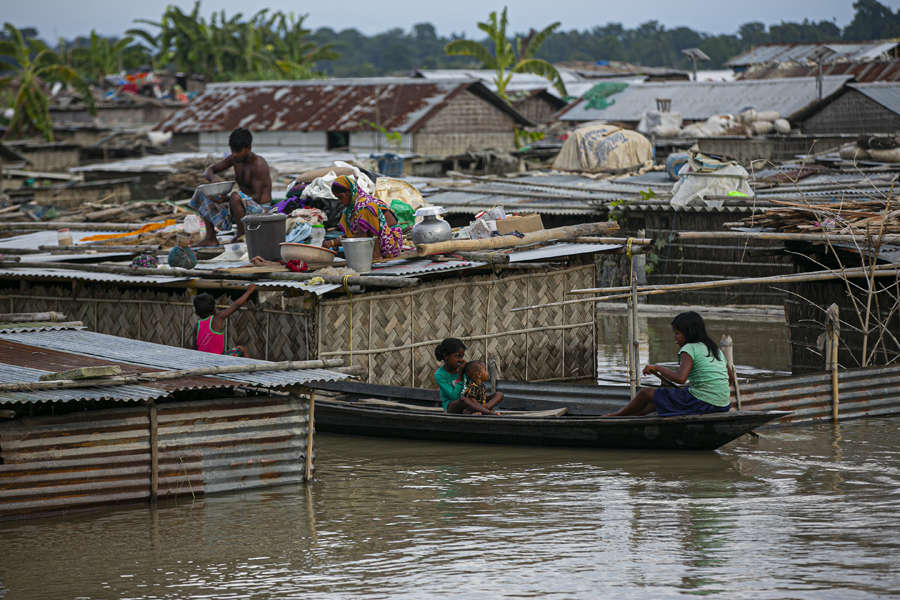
(763, 127)
(320, 187)
(853, 152)
(768, 115)
(693, 187)
(782, 126)
(888, 156)
(654, 120)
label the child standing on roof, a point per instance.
(210, 333)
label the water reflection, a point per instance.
(761, 345)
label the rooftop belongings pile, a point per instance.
(848, 217)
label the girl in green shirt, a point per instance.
(700, 362)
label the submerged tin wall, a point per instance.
(871, 392)
(96, 457)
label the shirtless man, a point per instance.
(251, 171)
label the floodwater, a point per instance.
(797, 513)
(802, 513)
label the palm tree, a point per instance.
(33, 63)
(506, 61)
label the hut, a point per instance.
(388, 332)
(699, 100)
(531, 95)
(860, 108)
(401, 115)
(216, 424)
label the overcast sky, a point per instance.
(69, 18)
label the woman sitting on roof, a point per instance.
(366, 216)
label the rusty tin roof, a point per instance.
(398, 104)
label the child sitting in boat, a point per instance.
(474, 398)
(210, 333)
(449, 376)
(700, 362)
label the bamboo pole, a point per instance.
(591, 239)
(31, 317)
(310, 435)
(780, 236)
(726, 344)
(510, 241)
(386, 281)
(287, 365)
(620, 293)
(832, 332)
(48, 225)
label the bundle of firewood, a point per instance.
(859, 217)
(189, 174)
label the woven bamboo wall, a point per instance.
(285, 331)
(394, 333)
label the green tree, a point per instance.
(872, 20)
(506, 60)
(33, 63)
(100, 57)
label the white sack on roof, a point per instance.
(703, 177)
(600, 147)
(660, 124)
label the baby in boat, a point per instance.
(474, 398)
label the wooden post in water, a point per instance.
(635, 335)
(311, 422)
(726, 345)
(832, 337)
(154, 452)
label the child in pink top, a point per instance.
(210, 334)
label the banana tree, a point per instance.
(33, 63)
(100, 57)
(508, 59)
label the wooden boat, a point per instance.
(566, 419)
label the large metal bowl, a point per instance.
(314, 256)
(213, 189)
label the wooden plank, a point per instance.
(556, 412)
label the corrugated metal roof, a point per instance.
(554, 194)
(283, 162)
(699, 100)
(398, 104)
(18, 374)
(426, 265)
(519, 81)
(137, 352)
(862, 72)
(829, 51)
(884, 93)
(32, 241)
(40, 326)
(75, 275)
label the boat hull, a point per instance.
(693, 432)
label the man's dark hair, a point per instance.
(472, 367)
(205, 305)
(239, 139)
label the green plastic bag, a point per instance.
(406, 216)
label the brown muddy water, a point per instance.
(797, 513)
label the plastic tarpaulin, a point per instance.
(600, 147)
